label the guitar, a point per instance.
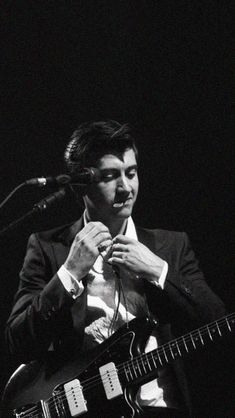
(104, 386)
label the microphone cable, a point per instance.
(11, 194)
(120, 291)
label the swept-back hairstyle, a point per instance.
(91, 140)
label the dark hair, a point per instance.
(91, 140)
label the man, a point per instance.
(80, 283)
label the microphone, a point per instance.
(82, 178)
(50, 200)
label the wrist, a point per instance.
(70, 283)
(155, 272)
(159, 275)
(72, 271)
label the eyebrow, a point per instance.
(131, 167)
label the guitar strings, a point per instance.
(162, 350)
(96, 379)
(92, 382)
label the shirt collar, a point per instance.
(130, 228)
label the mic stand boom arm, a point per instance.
(39, 207)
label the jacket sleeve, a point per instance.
(187, 300)
(41, 311)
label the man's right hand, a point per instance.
(84, 249)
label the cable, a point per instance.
(11, 194)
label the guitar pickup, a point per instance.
(75, 398)
(110, 381)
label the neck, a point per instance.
(115, 226)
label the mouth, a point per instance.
(120, 204)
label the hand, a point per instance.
(136, 258)
(85, 248)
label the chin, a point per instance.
(124, 213)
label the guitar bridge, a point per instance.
(39, 410)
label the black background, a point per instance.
(167, 68)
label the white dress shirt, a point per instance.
(102, 298)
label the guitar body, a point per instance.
(40, 381)
(104, 382)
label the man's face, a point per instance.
(114, 195)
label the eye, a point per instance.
(131, 174)
(109, 175)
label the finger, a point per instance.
(85, 232)
(122, 239)
(120, 247)
(99, 227)
(93, 238)
(118, 254)
(105, 246)
(94, 227)
(102, 237)
(86, 229)
(116, 260)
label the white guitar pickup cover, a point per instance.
(110, 380)
(75, 398)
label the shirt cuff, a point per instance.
(161, 281)
(72, 285)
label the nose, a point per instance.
(123, 184)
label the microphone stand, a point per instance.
(39, 207)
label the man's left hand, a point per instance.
(136, 258)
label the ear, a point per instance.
(78, 191)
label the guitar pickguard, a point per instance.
(36, 381)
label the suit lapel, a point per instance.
(61, 245)
(150, 238)
(69, 235)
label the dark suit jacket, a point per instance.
(44, 313)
